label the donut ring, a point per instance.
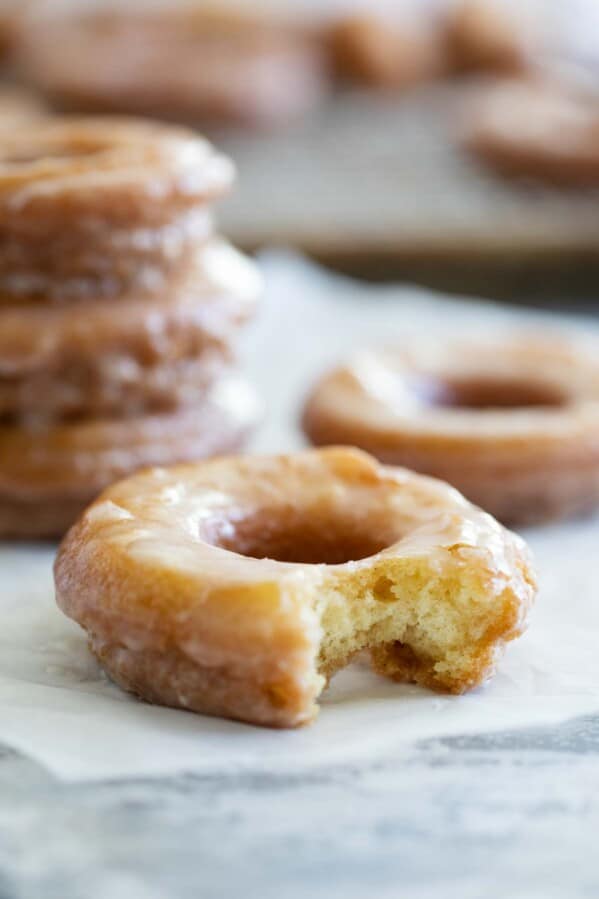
(48, 476)
(92, 206)
(225, 588)
(513, 423)
(535, 130)
(62, 361)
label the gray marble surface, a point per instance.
(513, 814)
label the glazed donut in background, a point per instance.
(48, 475)
(382, 52)
(198, 65)
(237, 587)
(92, 207)
(512, 422)
(483, 36)
(149, 353)
(535, 129)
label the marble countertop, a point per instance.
(512, 814)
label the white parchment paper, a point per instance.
(57, 707)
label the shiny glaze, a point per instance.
(176, 517)
(71, 155)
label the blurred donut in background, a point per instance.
(11, 12)
(195, 64)
(484, 36)
(398, 48)
(512, 421)
(386, 52)
(536, 129)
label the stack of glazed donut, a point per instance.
(118, 310)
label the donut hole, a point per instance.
(491, 393)
(312, 538)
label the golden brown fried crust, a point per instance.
(171, 678)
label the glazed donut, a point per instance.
(535, 129)
(48, 475)
(154, 353)
(101, 206)
(512, 422)
(237, 587)
(198, 65)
